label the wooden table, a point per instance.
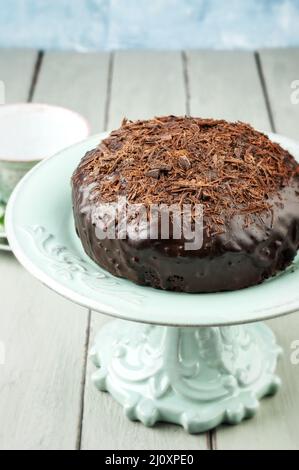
(46, 398)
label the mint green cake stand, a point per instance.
(190, 359)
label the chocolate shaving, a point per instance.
(184, 162)
(154, 173)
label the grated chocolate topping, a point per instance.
(228, 167)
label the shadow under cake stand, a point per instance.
(196, 360)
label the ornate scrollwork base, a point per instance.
(195, 377)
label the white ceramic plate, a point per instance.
(40, 229)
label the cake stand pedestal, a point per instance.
(197, 371)
(194, 377)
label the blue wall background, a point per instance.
(161, 24)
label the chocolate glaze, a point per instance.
(240, 257)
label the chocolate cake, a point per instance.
(246, 185)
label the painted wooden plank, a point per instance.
(281, 72)
(144, 84)
(40, 381)
(78, 81)
(226, 85)
(277, 426)
(45, 336)
(16, 71)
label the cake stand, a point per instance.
(192, 359)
